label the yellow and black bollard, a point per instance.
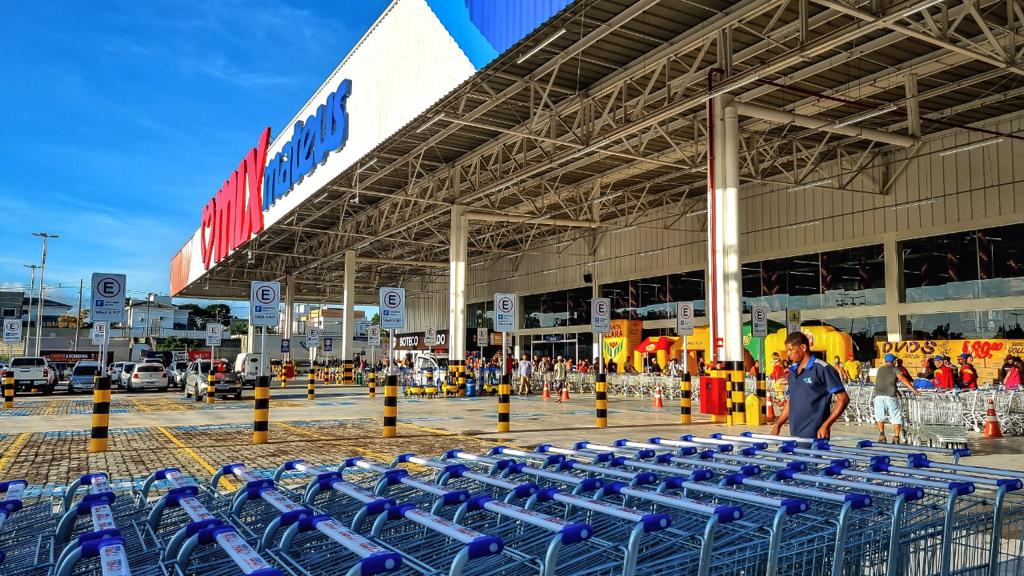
(762, 398)
(728, 399)
(371, 383)
(739, 414)
(504, 405)
(460, 372)
(261, 411)
(685, 400)
(211, 388)
(391, 407)
(8, 390)
(100, 414)
(601, 401)
(346, 376)
(311, 388)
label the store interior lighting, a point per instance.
(814, 184)
(973, 146)
(540, 46)
(856, 118)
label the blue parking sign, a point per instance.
(286, 345)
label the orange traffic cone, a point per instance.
(546, 395)
(991, 423)
(657, 398)
(771, 411)
(565, 394)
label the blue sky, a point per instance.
(123, 118)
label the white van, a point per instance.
(247, 367)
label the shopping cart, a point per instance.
(935, 418)
(460, 477)
(396, 483)
(259, 509)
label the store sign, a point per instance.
(505, 312)
(684, 318)
(235, 213)
(987, 354)
(600, 315)
(312, 142)
(418, 341)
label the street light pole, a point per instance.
(31, 290)
(42, 272)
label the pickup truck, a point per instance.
(31, 372)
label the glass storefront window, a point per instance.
(864, 332)
(480, 314)
(851, 277)
(562, 308)
(964, 325)
(687, 287)
(623, 306)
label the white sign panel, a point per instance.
(99, 332)
(373, 335)
(792, 321)
(313, 336)
(107, 297)
(265, 303)
(430, 337)
(601, 315)
(213, 334)
(392, 308)
(12, 330)
(684, 318)
(504, 312)
(481, 337)
(759, 320)
(179, 356)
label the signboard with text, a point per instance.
(12, 330)
(392, 308)
(107, 299)
(759, 320)
(328, 344)
(213, 334)
(600, 315)
(99, 332)
(286, 346)
(312, 336)
(504, 312)
(481, 336)
(430, 337)
(684, 318)
(265, 303)
(792, 321)
(373, 335)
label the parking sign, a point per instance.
(684, 318)
(392, 308)
(430, 337)
(213, 334)
(99, 332)
(600, 315)
(481, 336)
(373, 335)
(504, 312)
(328, 344)
(12, 330)
(759, 320)
(265, 303)
(312, 336)
(286, 346)
(792, 321)
(107, 297)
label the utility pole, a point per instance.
(42, 272)
(31, 291)
(78, 319)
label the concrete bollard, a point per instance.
(391, 407)
(504, 404)
(100, 415)
(601, 401)
(261, 411)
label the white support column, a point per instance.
(731, 304)
(289, 309)
(892, 261)
(349, 303)
(715, 284)
(458, 254)
(250, 339)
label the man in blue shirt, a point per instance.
(812, 384)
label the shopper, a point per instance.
(943, 375)
(525, 372)
(838, 365)
(674, 369)
(560, 375)
(886, 401)
(968, 373)
(852, 368)
(610, 367)
(778, 367)
(1012, 371)
(813, 384)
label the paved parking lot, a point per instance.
(44, 438)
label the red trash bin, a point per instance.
(712, 396)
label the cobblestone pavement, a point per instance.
(44, 439)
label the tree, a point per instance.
(69, 320)
(376, 319)
(238, 326)
(174, 343)
(218, 312)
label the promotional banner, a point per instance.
(988, 353)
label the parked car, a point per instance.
(227, 383)
(177, 373)
(124, 374)
(83, 376)
(31, 372)
(148, 376)
(52, 375)
(247, 368)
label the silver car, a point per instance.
(226, 382)
(148, 377)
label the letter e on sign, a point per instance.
(684, 318)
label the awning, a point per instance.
(656, 343)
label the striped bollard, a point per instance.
(739, 404)
(346, 376)
(685, 400)
(371, 383)
(8, 391)
(461, 370)
(504, 405)
(311, 388)
(728, 400)
(261, 411)
(100, 415)
(601, 401)
(391, 407)
(211, 388)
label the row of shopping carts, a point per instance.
(944, 417)
(733, 505)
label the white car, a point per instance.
(148, 377)
(124, 374)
